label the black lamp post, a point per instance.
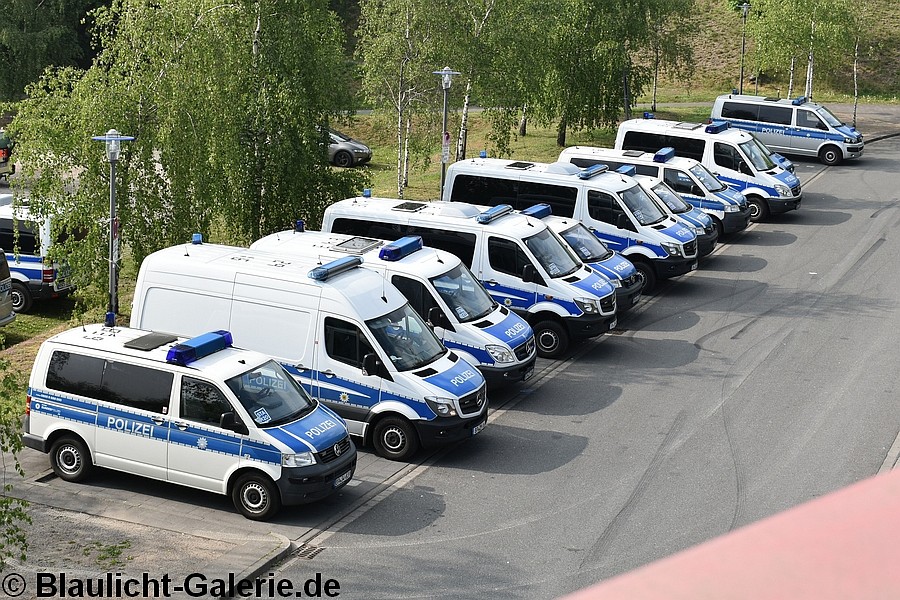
(446, 78)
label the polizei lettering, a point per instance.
(462, 377)
(127, 426)
(515, 330)
(320, 428)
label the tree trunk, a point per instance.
(855, 78)
(626, 90)
(561, 133)
(400, 147)
(655, 75)
(790, 89)
(406, 152)
(809, 64)
(523, 122)
(463, 126)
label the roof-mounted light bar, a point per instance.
(299, 226)
(592, 171)
(664, 155)
(538, 211)
(649, 115)
(628, 170)
(196, 348)
(403, 247)
(717, 127)
(495, 212)
(799, 100)
(335, 267)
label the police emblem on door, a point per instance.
(201, 443)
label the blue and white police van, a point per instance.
(734, 156)
(439, 287)
(520, 262)
(692, 180)
(347, 335)
(793, 126)
(613, 205)
(196, 412)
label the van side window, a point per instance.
(780, 115)
(476, 189)
(458, 243)
(28, 239)
(726, 156)
(560, 198)
(807, 118)
(684, 146)
(344, 342)
(202, 401)
(420, 299)
(603, 207)
(738, 110)
(372, 229)
(75, 374)
(506, 256)
(645, 142)
(681, 183)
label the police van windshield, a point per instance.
(465, 296)
(585, 244)
(552, 255)
(707, 179)
(758, 157)
(829, 118)
(671, 198)
(642, 206)
(270, 395)
(406, 339)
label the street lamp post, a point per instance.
(446, 78)
(745, 8)
(113, 140)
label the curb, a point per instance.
(257, 555)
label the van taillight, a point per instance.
(4, 153)
(48, 274)
(27, 405)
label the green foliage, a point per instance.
(13, 515)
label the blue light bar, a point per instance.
(197, 238)
(367, 193)
(482, 154)
(717, 127)
(196, 348)
(335, 267)
(299, 226)
(591, 171)
(799, 100)
(649, 115)
(627, 170)
(494, 212)
(664, 154)
(538, 211)
(403, 247)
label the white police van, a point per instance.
(196, 412)
(693, 181)
(613, 205)
(439, 287)
(797, 126)
(520, 262)
(734, 156)
(345, 333)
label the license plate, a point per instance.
(342, 479)
(635, 299)
(694, 266)
(528, 373)
(613, 324)
(5, 286)
(477, 429)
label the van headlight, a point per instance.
(698, 231)
(616, 283)
(783, 190)
(587, 306)
(301, 459)
(731, 208)
(848, 141)
(672, 249)
(442, 407)
(499, 353)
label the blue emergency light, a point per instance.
(799, 100)
(299, 226)
(196, 348)
(482, 154)
(591, 171)
(664, 154)
(403, 247)
(717, 127)
(494, 212)
(538, 211)
(335, 267)
(628, 170)
(197, 238)
(367, 193)
(649, 115)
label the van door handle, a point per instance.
(491, 282)
(158, 420)
(181, 426)
(327, 373)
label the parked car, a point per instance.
(6, 300)
(344, 151)
(7, 166)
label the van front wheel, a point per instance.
(552, 339)
(648, 273)
(70, 459)
(759, 210)
(395, 438)
(256, 497)
(830, 155)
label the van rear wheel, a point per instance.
(70, 459)
(256, 497)
(21, 297)
(759, 210)
(552, 339)
(831, 155)
(395, 438)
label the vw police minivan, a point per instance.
(439, 287)
(613, 205)
(732, 155)
(797, 126)
(693, 181)
(196, 412)
(348, 336)
(520, 262)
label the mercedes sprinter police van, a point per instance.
(733, 156)
(345, 333)
(613, 205)
(520, 262)
(439, 287)
(693, 181)
(196, 412)
(797, 126)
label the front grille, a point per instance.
(608, 304)
(525, 350)
(328, 455)
(690, 248)
(795, 191)
(471, 404)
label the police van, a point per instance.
(793, 126)
(7, 314)
(734, 156)
(196, 412)
(693, 181)
(520, 262)
(439, 287)
(613, 205)
(348, 336)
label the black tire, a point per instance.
(759, 210)
(551, 338)
(648, 273)
(395, 438)
(256, 497)
(720, 229)
(21, 297)
(70, 459)
(343, 159)
(831, 156)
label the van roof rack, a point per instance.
(409, 206)
(150, 341)
(357, 245)
(519, 165)
(690, 126)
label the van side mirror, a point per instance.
(744, 168)
(229, 421)
(437, 318)
(371, 365)
(623, 222)
(529, 275)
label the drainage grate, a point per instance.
(308, 552)
(45, 478)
